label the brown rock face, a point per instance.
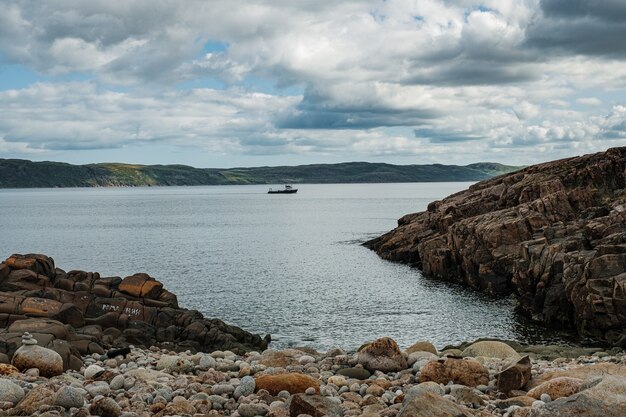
(461, 371)
(80, 312)
(293, 383)
(313, 405)
(427, 404)
(515, 376)
(554, 234)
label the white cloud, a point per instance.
(395, 77)
(589, 101)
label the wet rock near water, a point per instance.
(159, 382)
(553, 234)
(79, 313)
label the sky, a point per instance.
(248, 83)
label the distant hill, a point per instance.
(20, 173)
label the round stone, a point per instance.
(98, 388)
(207, 362)
(545, 398)
(251, 410)
(117, 382)
(306, 359)
(68, 397)
(93, 371)
(105, 407)
(245, 388)
(223, 389)
(310, 391)
(10, 391)
(49, 362)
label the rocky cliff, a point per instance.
(80, 312)
(553, 234)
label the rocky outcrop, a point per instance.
(80, 312)
(554, 234)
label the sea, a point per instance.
(292, 265)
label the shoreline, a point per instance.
(490, 379)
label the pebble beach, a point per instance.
(479, 379)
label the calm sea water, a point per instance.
(288, 265)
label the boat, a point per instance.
(287, 190)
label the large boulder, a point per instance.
(29, 355)
(428, 404)
(558, 387)
(460, 371)
(514, 376)
(292, 382)
(586, 373)
(421, 346)
(313, 405)
(607, 398)
(491, 349)
(382, 355)
(552, 234)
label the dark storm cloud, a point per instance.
(435, 136)
(317, 111)
(588, 27)
(475, 72)
(603, 9)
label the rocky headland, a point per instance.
(80, 313)
(553, 234)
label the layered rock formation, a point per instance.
(554, 234)
(80, 312)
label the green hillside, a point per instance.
(19, 173)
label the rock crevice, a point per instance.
(554, 234)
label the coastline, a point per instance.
(491, 379)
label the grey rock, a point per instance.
(245, 388)
(98, 388)
(117, 382)
(220, 389)
(174, 363)
(68, 397)
(10, 391)
(251, 410)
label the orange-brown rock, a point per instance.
(563, 386)
(553, 234)
(292, 382)
(6, 369)
(38, 396)
(141, 285)
(280, 358)
(460, 371)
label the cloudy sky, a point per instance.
(245, 83)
